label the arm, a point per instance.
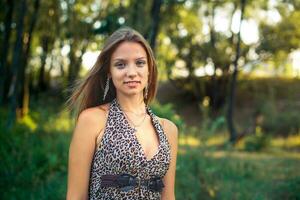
(171, 131)
(81, 152)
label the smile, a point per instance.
(132, 82)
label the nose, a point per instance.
(132, 72)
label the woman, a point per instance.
(119, 148)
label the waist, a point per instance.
(126, 182)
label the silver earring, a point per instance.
(146, 92)
(106, 88)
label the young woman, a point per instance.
(120, 149)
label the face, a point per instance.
(129, 69)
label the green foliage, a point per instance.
(188, 174)
(34, 160)
(286, 189)
(285, 123)
(34, 163)
(279, 119)
(167, 111)
(227, 175)
(256, 142)
(272, 103)
(282, 37)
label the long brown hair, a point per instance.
(88, 92)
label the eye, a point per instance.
(120, 65)
(140, 63)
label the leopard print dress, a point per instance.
(120, 152)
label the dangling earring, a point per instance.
(106, 88)
(146, 92)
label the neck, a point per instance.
(134, 104)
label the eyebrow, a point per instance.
(122, 59)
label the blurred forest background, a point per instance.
(229, 73)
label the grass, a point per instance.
(34, 166)
(206, 173)
(34, 154)
(34, 160)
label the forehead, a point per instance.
(129, 50)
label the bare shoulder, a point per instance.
(169, 127)
(82, 148)
(93, 118)
(93, 113)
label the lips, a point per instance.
(132, 83)
(128, 82)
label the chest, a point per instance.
(148, 138)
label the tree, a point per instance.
(5, 47)
(155, 16)
(78, 38)
(231, 102)
(17, 56)
(279, 40)
(47, 31)
(198, 50)
(24, 80)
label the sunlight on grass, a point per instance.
(217, 140)
(28, 122)
(240, 145)
(289, 142)
(211, 192)
(239, 150)
(253, 155)
(60, 122)
(189, 140)
(196, 142)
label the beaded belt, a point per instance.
(126, 182)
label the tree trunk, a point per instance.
(134, 17)
(24, 96)
(215, 88)
(72, 67)
(42, 82)
(75, 63)
(155, 12)
(61, 65)
(231, 102)
(17, 56)
(5, 48)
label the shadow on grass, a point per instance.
(34, 156)
(206, 172)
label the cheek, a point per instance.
(147, 74)
(144, 72)
(117, 77)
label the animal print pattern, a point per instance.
(120, 152)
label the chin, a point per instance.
(130, 92)
(133, 93)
